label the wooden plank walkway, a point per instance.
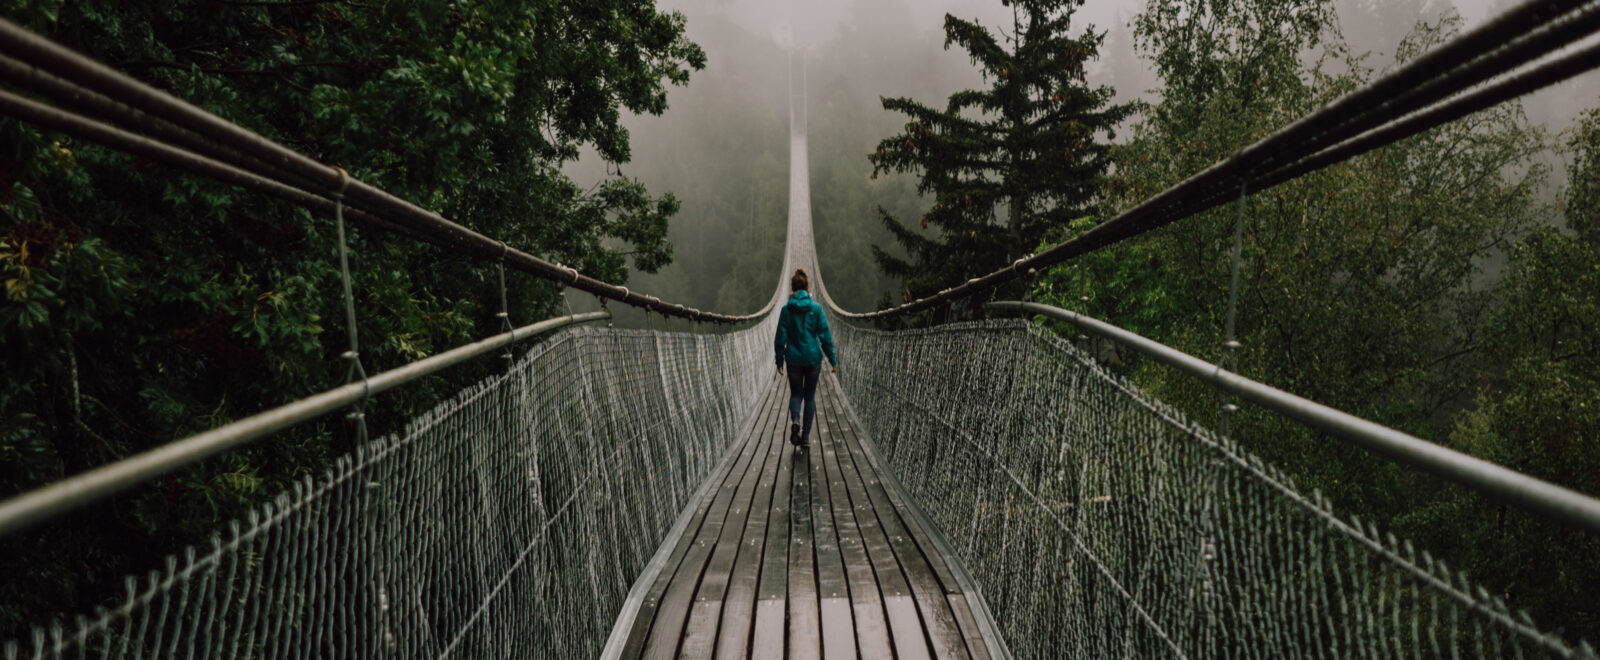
(803, 554)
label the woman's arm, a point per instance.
(780, 342)
(826, 338)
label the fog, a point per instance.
(721, 147)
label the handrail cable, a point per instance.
(1478, 56)
(1525, 491)
(1349, 126)
(85, 488)
(89, 103)
(56, 119)
(1525, 82)
(79, 81)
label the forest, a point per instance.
(1448, 285)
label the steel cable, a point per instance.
(1512, 39)
(92, 105)
(1365, 119)
(291, 169)
(72, 124)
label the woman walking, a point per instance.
(801, 327)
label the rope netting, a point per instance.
(510, 521)
(1100, 522)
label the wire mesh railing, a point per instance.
(509, 521)
(1102, 523)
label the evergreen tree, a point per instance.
(1007, 163)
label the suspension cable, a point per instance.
(203, 141)
(1390, 109)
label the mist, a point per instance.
(721, 148)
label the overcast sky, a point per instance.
(816, 23)
(819, 19)
(864, 49)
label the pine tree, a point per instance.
(1005, 164)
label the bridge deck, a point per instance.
(804, 554)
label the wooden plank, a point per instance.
(960, 601)
(871, 629)
(833, 591)
(805, 625)
(969, 626)
(640, 631)
(772, 587)
(700, 631)
(738, 607)
(673, 608)
(928, 593)
(806, 555)
(940, 568)
(900, 609)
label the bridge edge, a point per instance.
(969, 587)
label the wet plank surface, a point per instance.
(803, 554)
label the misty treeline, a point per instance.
(723, 151)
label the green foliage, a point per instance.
(1362, 287)
(143, 305)
(1538, 410)
(1243, 53)
(1030, 142)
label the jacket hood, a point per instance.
(800, 301)
(802, 337)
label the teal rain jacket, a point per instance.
(801, 327)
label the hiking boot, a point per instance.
(794, 434)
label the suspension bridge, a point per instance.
(981, 489)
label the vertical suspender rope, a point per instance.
(1083, 302)
(1230, 344)
(358, 415)
(505, 312)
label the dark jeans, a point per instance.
(803, 389)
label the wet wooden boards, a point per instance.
(803, 554)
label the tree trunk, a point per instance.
(1019, 202)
